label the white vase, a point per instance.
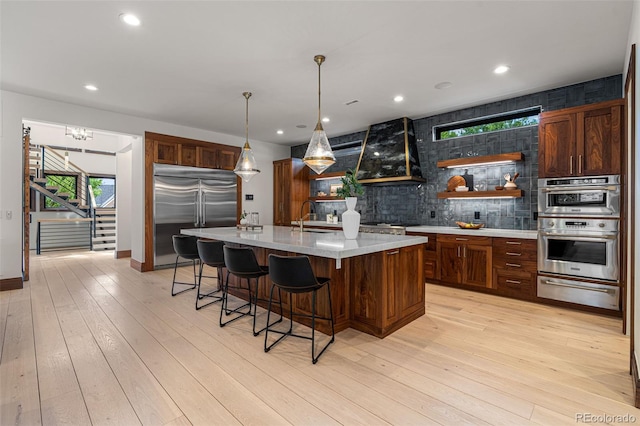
(351, 219)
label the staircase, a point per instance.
(103, 225)
(103, 236)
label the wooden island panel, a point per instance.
(377, 293)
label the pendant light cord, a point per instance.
(246, 95)
(319, 59)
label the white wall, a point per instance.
(18, 107)
(123, 198)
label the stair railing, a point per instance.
(92, 209)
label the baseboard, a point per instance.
(140, 266)
(121, 254)
(10, 284)
(636, 381)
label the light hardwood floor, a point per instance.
(91, 341)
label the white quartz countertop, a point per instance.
(482, 232)
(329, 244)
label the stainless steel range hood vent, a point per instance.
(389, 154)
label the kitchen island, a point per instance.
(377, 281)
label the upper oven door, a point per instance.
(578, 197)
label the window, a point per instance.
(492, 123)
(65, 183)
(104, 190)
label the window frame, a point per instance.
(43, 198)
(438, 129)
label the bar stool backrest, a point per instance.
(185, 246)
(211, 252)
(241, 261)
(292, 272)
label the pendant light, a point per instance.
(246, 167)
(319, 155)
(66, 160)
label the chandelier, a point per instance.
(78, 133)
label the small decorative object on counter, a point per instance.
(335, 216)
(470, 225)
(350, 190)
(329, 218)
(243, 218)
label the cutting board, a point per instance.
(454, 182)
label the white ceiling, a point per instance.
(189, 62)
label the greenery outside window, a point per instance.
(65, 183)
(492, 123)
(104, 190)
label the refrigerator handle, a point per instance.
(196, 222)
(204, 208)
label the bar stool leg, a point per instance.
(173, 284)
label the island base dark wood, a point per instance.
(376, 293)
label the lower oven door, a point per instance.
(588, 256)
(590, 294)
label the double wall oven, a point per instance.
(579, 240)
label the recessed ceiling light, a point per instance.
(443, 85)
(280, 132)
(130, 19)
(326, 120)
(501, 69)
(398, 99)
(90, 87)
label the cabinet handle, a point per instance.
(464, 251)
(513, 254)
(571, 164)
(393, 252)
(580, 164)
(458, 251)
(513, 265)
(513, 282)
(462, 239)
(514, 242)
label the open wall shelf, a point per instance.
(505, 193)
(482, 160)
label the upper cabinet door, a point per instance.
(188, 155)
(557, 145)
(227, 158)
(208, 157)
(165, 152)
(602, 133)
(582, 141)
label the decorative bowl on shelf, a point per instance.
(465, 225)
(499, 188)
(462, 189)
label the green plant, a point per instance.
(350, 185)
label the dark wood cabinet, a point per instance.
(290, 190)
(227, 158)
(581, 141)
(166, 152)
(430, 255)
(208, 157)
(464, 260)
(515, 267)
(188, 155)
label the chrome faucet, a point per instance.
(301, 220)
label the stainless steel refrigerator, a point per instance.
(189, 197)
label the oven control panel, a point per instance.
(561, 224)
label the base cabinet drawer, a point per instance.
(521, 285)
(583, 293)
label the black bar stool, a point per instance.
(186, 248)
(211, 254)
(293, 274)
(242, 263)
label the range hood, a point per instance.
(389, 154)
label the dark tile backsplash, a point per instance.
(413, 204)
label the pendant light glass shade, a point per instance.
(246, 167)
(319, 155)
(66, 160)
